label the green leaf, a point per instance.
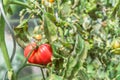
(76, 3)
(50, 28)
(5, 2)
(7, 6)
(115, 51)
(10, 10)
(21, 34)
(65, 10)
(55, 53)
(75, 61)
(82, 75)
(51, 17)
(63, 1)
(115, 10)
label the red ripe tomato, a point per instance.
(42, 55)
(27, 50)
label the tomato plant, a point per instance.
(82, 37)
(40, 55)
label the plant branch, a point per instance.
(42, 73)
(20, 3)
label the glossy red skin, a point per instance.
(42, 55)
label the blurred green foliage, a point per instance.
(80, 33)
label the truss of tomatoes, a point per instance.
(39, 54)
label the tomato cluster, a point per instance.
(40, 54)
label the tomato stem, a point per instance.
(42, 73)
(37, 65)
